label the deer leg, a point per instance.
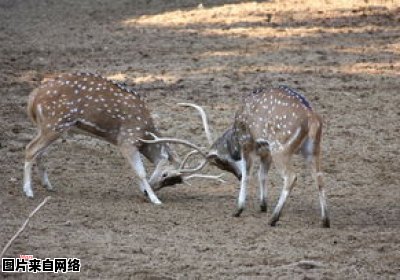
(36, 147)
(262, 178)
(289, 179)
(317, 175)
(133, 156)
(43, 172)
(245, 165)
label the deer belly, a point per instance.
(106, 132)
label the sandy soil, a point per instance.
(344, 55)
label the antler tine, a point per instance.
(173, 140)
(213, 177)
(198, 168)
(204, 119)
(185, 159)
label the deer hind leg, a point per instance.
(265, 164)
(133, 156)
(245, 166)
(34, 149)
(312, 155)
(42, 170)
(282, 163)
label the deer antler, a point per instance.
(185, 159)
(203, 118)
(196, 150)
(213, 177)
(173, 140)
(206, 128)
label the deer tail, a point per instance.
(31, 110)
(315, 133)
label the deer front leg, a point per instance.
(289, 179)
(245, 164)
(262, 178)
(133, 156)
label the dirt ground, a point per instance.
(343, 55)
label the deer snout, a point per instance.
(168, 179)
(227, 165)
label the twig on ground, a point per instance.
(23, 226)
(304, 264)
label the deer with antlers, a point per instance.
(272, 125)
(108, 110)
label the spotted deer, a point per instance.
(272, 125)
(108, 110)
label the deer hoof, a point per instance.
(263, 207)
(238, 212)
(28, 193)
(326, 223)
(273, 221)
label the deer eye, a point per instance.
(164, 175)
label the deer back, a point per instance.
(274, 116)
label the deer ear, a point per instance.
(212, 155)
